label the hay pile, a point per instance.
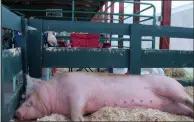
(121, 114)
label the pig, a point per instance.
(51, 39)
(76, 94)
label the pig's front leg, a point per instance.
(77, 103)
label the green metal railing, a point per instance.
(73, 12)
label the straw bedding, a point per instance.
(121, 114)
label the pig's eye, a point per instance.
(29, 104)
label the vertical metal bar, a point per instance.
(121, 11)
(136, 9)
(135, 50)
(35, 54)
(73, 9)
(24, 52)
(166, 15)
(14, 82)
(15, 77)
(2, 85)
(154, 23)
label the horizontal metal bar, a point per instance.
(86, 18)
(140, 12)
(10, 20)
(11, 63)
(86, 27)
(165, 31)
(114, 58)
(82, 57)
(116, 39)
(167, 59)
(81, 12)
(145, 19)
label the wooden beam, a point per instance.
(136, 8)
(166, 15)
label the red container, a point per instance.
(85, 40)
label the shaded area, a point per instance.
(80, 5)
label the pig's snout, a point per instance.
(19, 114)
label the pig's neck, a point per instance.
(51, 99)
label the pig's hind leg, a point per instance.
(77, 104)
(174, 92)
(179, 109)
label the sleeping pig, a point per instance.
(75, 94)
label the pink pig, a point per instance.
(78, 93)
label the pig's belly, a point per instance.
(131, 97)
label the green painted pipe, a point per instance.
(14, 82)
(123, 39)
(154, 23)
(82, 12)
(73, 9)
(145, 20)
(86, 18)
(138, 12)
(105, 10)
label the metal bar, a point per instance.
(10, 20)
(11, 60)
(85, 27)
(166, 14)
(136, 8)
(139, 12)
(14, 83)
(114, 57)
(107, 7)
(34, 54)
(81, 12)
(73, 9)
(145, 19)
(166, 31)
(172, 59)
(77, 18)
(2, 85)
(24, 52)
(112, 38)
(134, 66)
(154, 23)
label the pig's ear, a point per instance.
(37, 83)
(29, 80)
